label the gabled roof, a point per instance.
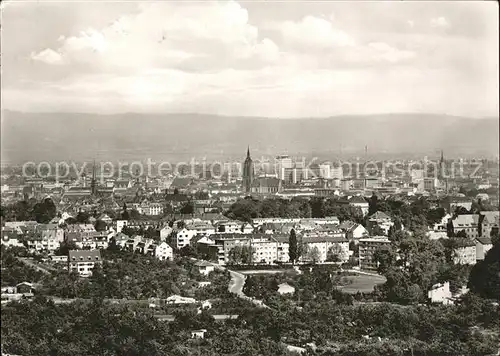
(490, 217)
(84, 253)
(357, 200)
(379, 215)
(466, 219)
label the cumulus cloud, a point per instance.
(440, 22)
(164, 34)
(228, 58)
(315, 31)
(48, 56)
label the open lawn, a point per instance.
(362, 283)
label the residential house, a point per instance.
(118, 225)
(353, 231)
(452, 203)
(204, 267)
(483, 245)
(10, 238)
(285, 288)
(468, 224)
(359, 202)
(488, 223)
(233, 227)
(132, 243)
(265, 249)
(198, 334)
(204, 228)
(177, 299)
(380, 219)
(183, 238)
(464, 252)
(83, 261)
(25, 288)
(164, 252)
(105, 218)
(440, 293)
(121, 239)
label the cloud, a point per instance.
(383, 51)
(164, 34)
(315, 31)
(48, 56)
(440, 22)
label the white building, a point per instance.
(183, 238)
(204, 267)
(83, 261)
(465, 254)
(467, 223)
(119, 225)
(164, 252)
(204, 228)
(483, 245)
(440, 293)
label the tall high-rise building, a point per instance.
(248, 172)
(283, 163)
(93, 182)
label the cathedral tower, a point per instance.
(248, 173)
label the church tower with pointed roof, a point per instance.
(248, 172)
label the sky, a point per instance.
(256, 58)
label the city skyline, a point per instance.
(227, 58)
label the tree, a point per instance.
(82, 217)
(241, 255)
(134, 214)
(485, 275)
(112, 245)
(64, 248)
(385, 259)
(187, 208)
(313, 254)
(336, 253)
(100, 225)
(293, 249)
(378, 231)
(44, 211)
(125, 215)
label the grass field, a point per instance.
(362, 283)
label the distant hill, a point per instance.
(174, 137)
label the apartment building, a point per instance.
(367, 249)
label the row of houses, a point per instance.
(465, 251)
(483, 224)
(271, 249)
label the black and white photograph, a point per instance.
(249, 178)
